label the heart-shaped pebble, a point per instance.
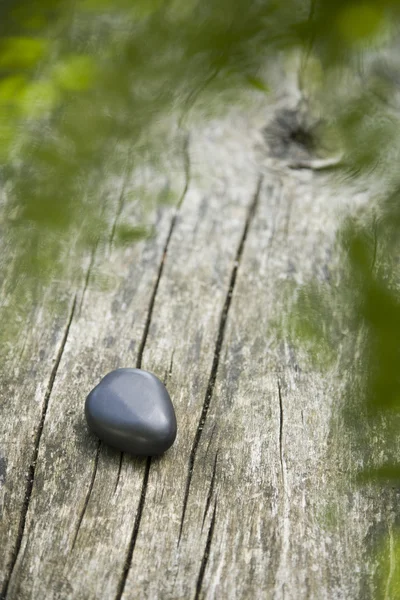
(131, 410)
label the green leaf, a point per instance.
(22, 52)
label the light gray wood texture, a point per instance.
(247, 503)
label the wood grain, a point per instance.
(247, 503)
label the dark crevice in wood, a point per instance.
(168, 372)
(89, 492)
(206, 554)
(210, 491)
(217, 351)
(135, 532)
(187, 169)
(121, 458)
(165, 378)
(281, 432)
(171, 364)
(38, 436)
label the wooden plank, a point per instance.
(241, 506)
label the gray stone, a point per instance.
(131, 410)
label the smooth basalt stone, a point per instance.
(131, 410)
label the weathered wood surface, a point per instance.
(247, 503)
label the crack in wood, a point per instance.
(171, 364)
(168, 371)
(206, 554)
(187, 169)
(135, 532)
(165, 378)
(281, 433)
(217, 351)
(210, 491)
(121, 458)
(32, 466)
(89, 492)
(280, 577)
